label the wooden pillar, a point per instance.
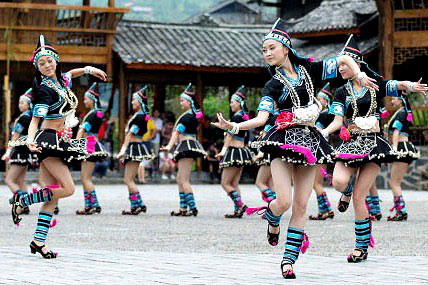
(111, 3)
(200, 98)
(123, 102)
(386, 37)
(109, 57)
(159, 97)
(6, 92)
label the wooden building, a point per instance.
(81, 34)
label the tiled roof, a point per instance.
(198, 46)
(336, 15)
(216, 8)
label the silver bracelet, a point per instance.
(89, 69)
(411, 86)
(360, 76)
(235, 128)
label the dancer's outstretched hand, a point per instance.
(99, 73)
(369, 82)
(420, 88)
(222, 123)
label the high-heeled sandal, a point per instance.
(192, 212)
(342, 206)
(135, 211)
(322, 216)
(86, 211)
(398, 217)
(178, 213)
(289, 273)
(15, 201)
(376, 217)
(352, 258)
(238, 214)
(48, 255)
(56, 211)
(272, 238)
(97, 210)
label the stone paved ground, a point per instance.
(155, 248)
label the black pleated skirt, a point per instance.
(237, 157)
(189, 149)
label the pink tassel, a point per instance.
(53, 224)
(385, 115)
(344, 134)
(147, 118)
(310, 158)
(323, 172)
(35, 190)
(347, 156)
(199, 115)
(53, 186)
(90, 144)
(305, 243)
(245, 117)
(372, 241)
(99, 114)
(311, 59)
(252, 211)
(410, 117)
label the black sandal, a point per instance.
(85, 212)
(97, 210)
(179, 213)
(342, 205)
(15, 201)
(272, 238)
(322, 216)
(56, 211)
(48, 255)
(135, 211)
(193, 212)
(357, 258)
(238, 214)
(289, 274)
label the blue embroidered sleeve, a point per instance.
(266, 104)
(319, 125)
(40, 110)
(397, 125)
(337, 109)
(134, 129)
(18, 128)
(391, 88)
(180, 128)
(87, 126)
(329, 68)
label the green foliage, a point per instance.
(216, 101)
(420, 118)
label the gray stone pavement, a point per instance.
(154, 248)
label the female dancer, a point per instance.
(235, 155)
(20, 157)
(134, 151)
(294, 144)
(89, 127)
(363, 148)
(324, 207)
(398, 128)
(55, 103)
(188, 148)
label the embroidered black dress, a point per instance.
(21, 155)
(234, 156)
(363, 147)
(51, 105)
(407, 151)
(187, 125)
(300, 144)
(91, 125)
(137, 151)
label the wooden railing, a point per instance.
(62, 25)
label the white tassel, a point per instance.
(42, 42)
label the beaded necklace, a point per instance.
(294, 96)
(373, 103)
(65, 93)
